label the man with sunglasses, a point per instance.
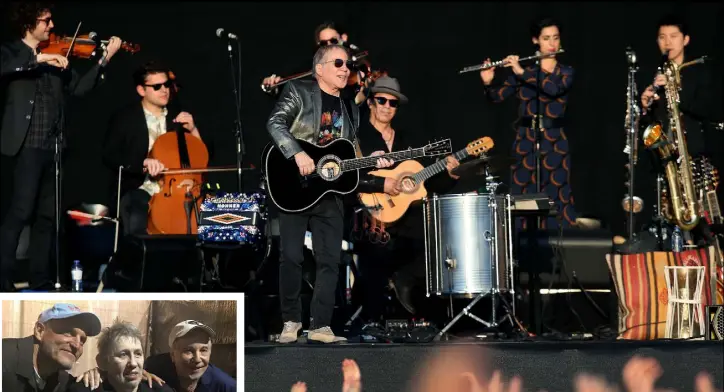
(325, 34)
(131, 136)
(35, 86)
(316, 112)
(401, 258)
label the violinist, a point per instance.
(131, 136)
(35, 85)
(327, 33)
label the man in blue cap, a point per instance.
(41, 362)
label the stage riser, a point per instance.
(549, 366)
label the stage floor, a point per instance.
(543, 365)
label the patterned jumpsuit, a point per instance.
(555, 161)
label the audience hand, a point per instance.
(352, 376)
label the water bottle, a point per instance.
(76, 274)
(677, 240)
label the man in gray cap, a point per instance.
(400, 258)
(187, 367)
(41, 362)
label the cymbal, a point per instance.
(476, 167)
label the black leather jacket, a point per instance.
(297, 115)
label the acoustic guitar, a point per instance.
(412, 175)
(337, 171)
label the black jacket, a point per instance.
(18, 371)
(19, 73)
(696, 105)
(126, 144)
(297, 115)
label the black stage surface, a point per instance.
(543, 365)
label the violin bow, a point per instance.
(72, 43)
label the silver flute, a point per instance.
(501, 62)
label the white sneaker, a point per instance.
(324, 335)
(290, 332)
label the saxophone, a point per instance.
(677, 162)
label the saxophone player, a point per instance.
(696, 98)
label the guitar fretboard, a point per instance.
(367, 162)
(712, 207)
(437, 167)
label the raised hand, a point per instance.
(352, 376)
(640, 374)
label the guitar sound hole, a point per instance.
(408, 184)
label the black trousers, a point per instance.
(134, 212)
(400, 259)
(33, 196)
(325, 221)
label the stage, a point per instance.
(543, 365)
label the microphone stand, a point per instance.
(236, 89)
(537, 131)
(59, 133)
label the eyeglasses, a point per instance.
(393, 102)
(338, 63)
(158, 86)
(331, 41)
(46, 20)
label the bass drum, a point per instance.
(468, 244)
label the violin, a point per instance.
(84, 46)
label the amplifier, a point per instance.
(232, 218)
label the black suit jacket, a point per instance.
(18, 371)
(126, 144)
(19, 73)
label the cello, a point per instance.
(175, 209)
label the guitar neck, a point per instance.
(438, 167)
(369, 162)
(712, 207)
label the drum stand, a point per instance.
(495, 294)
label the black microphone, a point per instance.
(349, 45)
(221, 34)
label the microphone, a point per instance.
(221, 34)
(349, 45)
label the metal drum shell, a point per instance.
(473, 231)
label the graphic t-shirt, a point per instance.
(330, 127)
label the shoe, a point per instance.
(403, 292)
(290, 333)
(324, 335)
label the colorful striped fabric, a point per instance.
(641, 287)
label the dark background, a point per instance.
(424, 45)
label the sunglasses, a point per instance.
(331, 41)
(46, 20)
(393, 102)
(158, 86)
(338, 63)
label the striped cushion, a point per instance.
(641, 287)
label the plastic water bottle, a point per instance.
(76, 274)
(677, 240)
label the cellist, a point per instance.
(130, 139)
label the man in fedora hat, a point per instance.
(41, 362)
(401, 257)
